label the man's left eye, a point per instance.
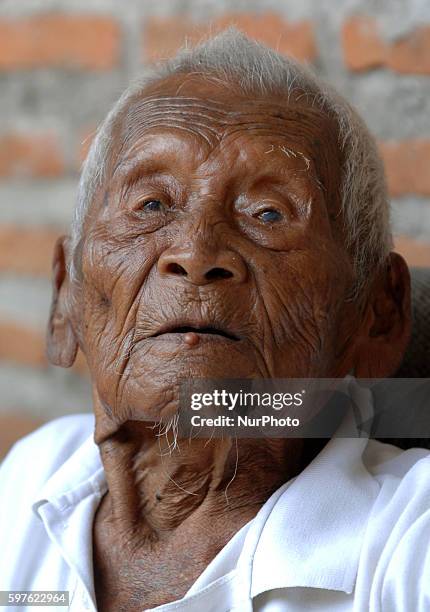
(152, 205)
(270, 215)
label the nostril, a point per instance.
(175, 268)
(216, 273)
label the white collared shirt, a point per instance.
(351, 532)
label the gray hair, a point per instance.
(234, 58)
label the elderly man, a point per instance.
(232, 223)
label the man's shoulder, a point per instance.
(396, 550)
(403, 504)
(403, 475)
(386, 460)
(38, 455)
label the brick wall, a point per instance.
(62, 64)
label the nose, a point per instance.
(202, 268)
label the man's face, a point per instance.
(219, 214)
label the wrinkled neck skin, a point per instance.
(170, 508)
(159, 485)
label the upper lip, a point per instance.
(201, 327)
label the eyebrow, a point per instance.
(282, 176)
(155, 162)
(149, 165)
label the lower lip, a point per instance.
(192, 338)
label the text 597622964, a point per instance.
(34, 598)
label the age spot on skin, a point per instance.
(104, 301)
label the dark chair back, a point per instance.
(416, 362)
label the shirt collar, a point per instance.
(80, 475)
(66, 505)
(309, 534)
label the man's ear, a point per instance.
(387, 324)
(61, 342)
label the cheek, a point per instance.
(115, 267)
(117, 260)
(301, 295)
(114, 256)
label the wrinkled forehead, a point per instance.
(211, 112)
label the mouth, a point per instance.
(208, 330)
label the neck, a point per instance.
(156, 486)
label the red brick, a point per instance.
(362, 44)
(27, 251)
(30, 155)
(365, 48)
(56, 40)
(163, 36)
(13, 427)
(415, 252)
(407, 166)
(412, 53)
(22, 345)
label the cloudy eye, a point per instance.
(270, 215)
(152, 205)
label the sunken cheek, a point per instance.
(115, 265)
(116, 249)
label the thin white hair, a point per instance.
(255, 69)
